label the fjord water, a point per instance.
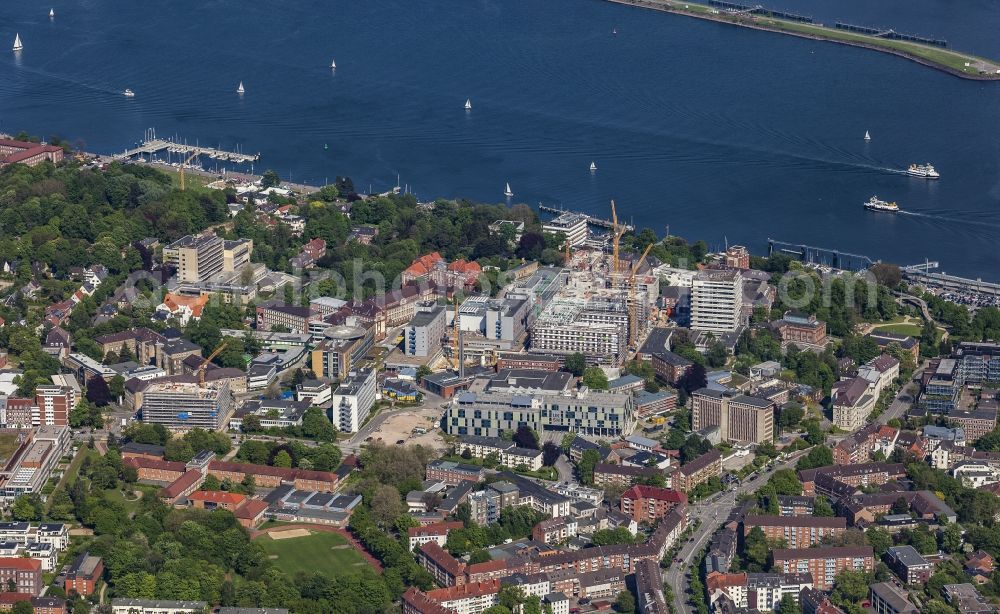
(722, 133)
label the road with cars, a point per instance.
(711, 514)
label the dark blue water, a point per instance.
(719, 132)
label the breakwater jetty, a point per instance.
(929, 52)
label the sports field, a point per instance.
(327, 553)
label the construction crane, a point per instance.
(616, 236)
(204, 363)
(183, 164)
(633, 325)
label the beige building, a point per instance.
(196, 257)
(853, 401)
(740, 418)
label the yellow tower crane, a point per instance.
(616, 236)
(204, 363)
(633, 325)
(183, 164)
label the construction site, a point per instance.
(600, 303)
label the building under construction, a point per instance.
(180, 406)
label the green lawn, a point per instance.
(8, 445)
(327, 553)
(955, 60)
(911, 330)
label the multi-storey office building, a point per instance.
(585, 412)
(196, 257)
(185, 405)
(717, 300)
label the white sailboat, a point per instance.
(240, 90)
(52, 13)
(868, 137)
(507, 191)
(128, 93)
(468, 104)
(333, 64)
(593, 167)
(17, 43)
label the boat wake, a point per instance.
(944, 218)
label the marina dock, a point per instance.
(153, 146)
(593, 221)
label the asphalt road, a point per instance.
(712, 513)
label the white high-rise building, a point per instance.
(353, 400)
(717, 301)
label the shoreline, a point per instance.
(665, 6)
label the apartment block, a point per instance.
(647, 504)
(717, 301)
(25, 574)
(824, 563)
(699, 470)
(796, 531)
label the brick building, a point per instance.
(796, 531)
(648, 503)
(24, 573)
(706, 466)
(824, 563)
(83, 574)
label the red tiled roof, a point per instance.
(473, 589)
(437, 528)
(440, 557)
(280, 472)
(653, 492)
(21, 563)
(217, 496)
(422, 603)
(178, 486)
(144, 462)
(486, 567)
(251, 509)
(8, 598)
(716, 580)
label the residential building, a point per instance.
(907, 563)
(966, 599)
(158, 606)
(670, 367)
(572, 225)
(446, 569)
(436, 532)
(887, 598)
(453, 473)
(717, 300)
(737, 257)
(813, 601)
(824, 563)
(699, 470)
(83, 574)
(623, 475)
(853, 401)
(353, 400)
(796, 531)
(195, 257)
(649, 588)
(647, 504)
(976, 422)
(25, 574)
(554, 530)
(865, 474)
